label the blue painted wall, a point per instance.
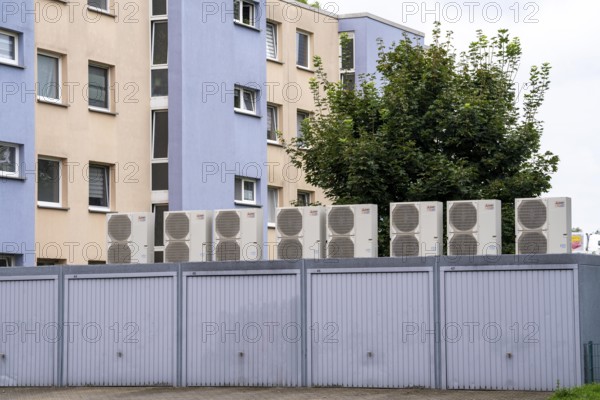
(17, 110)
(367, 32)
(209, 144)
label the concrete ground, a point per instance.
(258, 394)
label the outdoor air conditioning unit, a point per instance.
(300, 233)
(352, 231)
(543, 226)
(474, 228)
(130, 238)
(188, 236)
(238, 235)
(416, 229)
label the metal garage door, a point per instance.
(29, 331)
(121, 331)
(242, 330)
(510, 330)
(371, 329)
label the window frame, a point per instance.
(352, 71)
(308, 50)
(275, 109)
(16, 38)
(238, 18)
(242, 90)
(100, 9)
(277, 190)
(159, 247)
(60, 75)
(275, 40)
(17, 172)
(306, 114)
(49, 204)
(9, 259)
(162, 194)
(108, 86)
(308, 198)
(107, 176)
(242, 181)
(153, 24)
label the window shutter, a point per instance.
(271, 41)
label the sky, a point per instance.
(565, 34)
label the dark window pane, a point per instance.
(98, 177)
(8, 159)
(159, 7)
(238, 189)
(159, 215)
(160, 42)
(160, 82)
(272, 123)
(159, 257)
(49, 181)
(47, 76)
(302, 49)
(160, 176)
(347, 54)
(103, 4)
(161, 134)
(98, 89)
(349, 80)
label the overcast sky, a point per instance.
(565, 34)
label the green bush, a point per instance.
(588, 392)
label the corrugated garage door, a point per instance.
(242, 330)
(371, 329)
(121, 331)
(510, 330)
(29, 332)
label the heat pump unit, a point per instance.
(352, 231)
(238, 235)
(188, 236)
(300, 233)
(543, 226)
(130, 238)
(474, 228)
(416, 229)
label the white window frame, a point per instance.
(353, 37)
(272, 224)
(308, 49)
(304, 193)
(242, 109)
(243, 182)
(159, 197)
(17, 172)
(15, 36)
(102, 10)
(10, 260)
(153, 24)
(159, 16)
(60, 183)
(159, 248)
(108, 86)
(275, 41)
(239, 18)
(306, 114)
(107, 178)
(275, 109)
(59, 83)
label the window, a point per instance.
(9, 160)
(272, 123)
(159, 8)
(160, 176)
(99, 186)
(159, 216)
(99, 4)
(301, 116)
(244, 12)
(160, 42)
(302, 50)
(49, 182)
(160, 150)
(9, 48)
(303, 199)
(245, 190)
(49, 77)
(245, 100)
(98, 87)
(347, 72)
(6, 261)
(271, 41)
(273, 198)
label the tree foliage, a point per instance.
(441, 126)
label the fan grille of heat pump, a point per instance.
(463, 245)
(289, 222)
(532, 214)
(289, 249)
(405, 246)
(405, 217)
(533, 243)
(228, 250)
(340, 247)
(119, 228)
(177, 226)
(177, 252)
(227, 224)
(119, 253)
(463, 216)
(341, 220)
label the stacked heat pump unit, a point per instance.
(352, 231)
(543, 226)
(188, 236)
(238, 235)
(474, 228)
(300, 233)
(416, 229)
(130, 238)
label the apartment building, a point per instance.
(91, 123)
(17, 135)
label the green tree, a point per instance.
(442, 126)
